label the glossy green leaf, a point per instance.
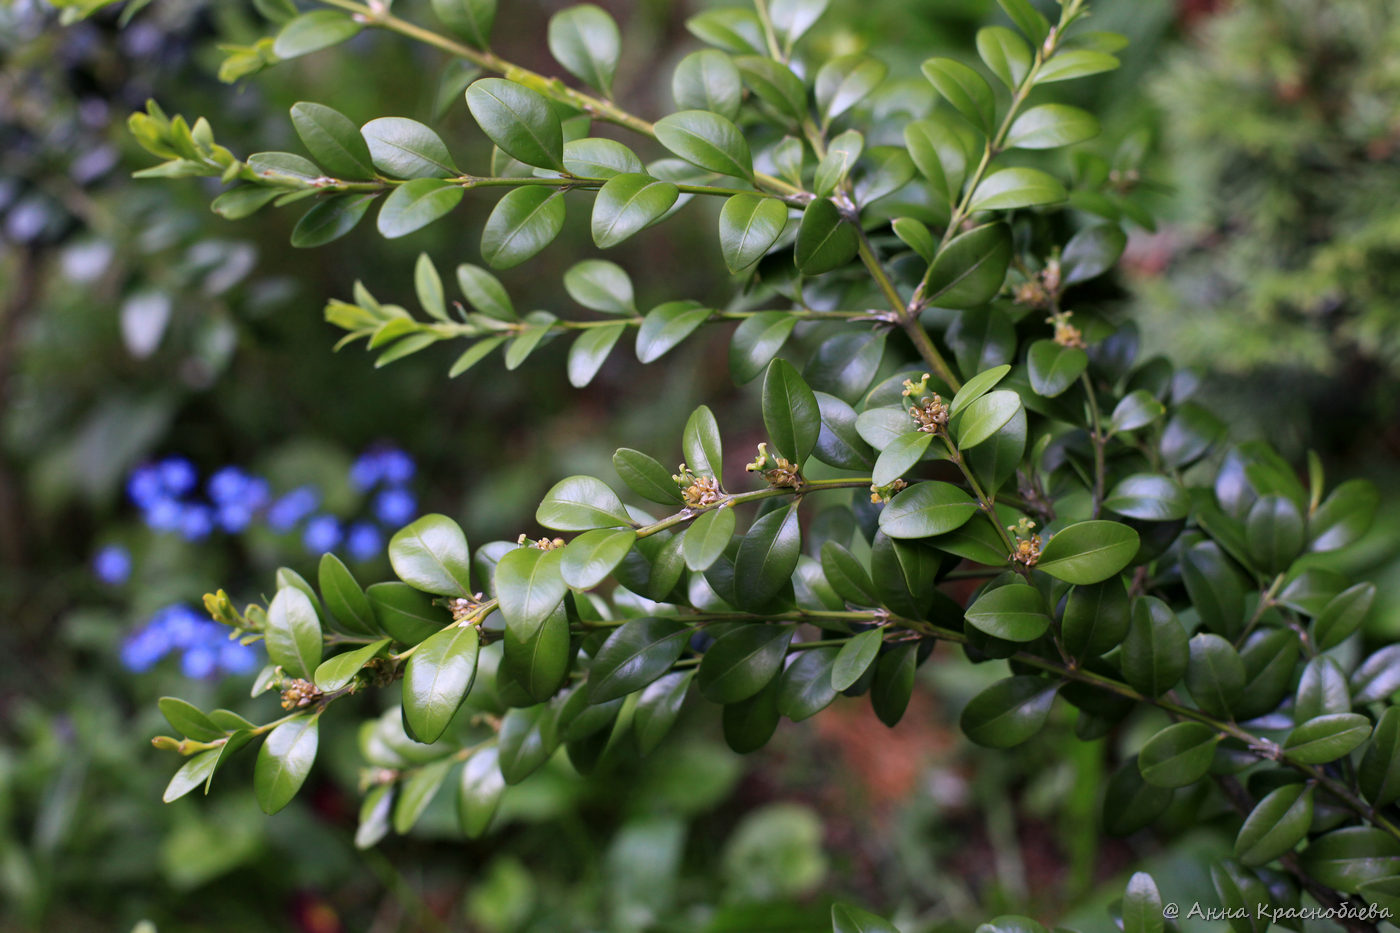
(708, 80)
(1379, 773)
(1345, 859)
(416, 792)
(1015, 612)
(1088, 552)
(1054, 368)
(707, 140)
(915, 234)
(335, 672)
(1278, 823)
(855, 658)
(293, 633)
(470, 20)
(749, 225)
(775, 84)
(584, 39)
(415, 204)
(646, 477)
(581, 503)
(189, 720)
(330, 220)
(824, 240)
(846, 575)
(1274, 531)
(527, 740)
(804, 687)
(701, 443)
(523, 222)
(1156, 649)
(658, 707)
(403, 148)
(749, 724)
(601, 286)
(333, 140)
(1327, 738)
(766, 559)
(431, 555)
(1005, 53)
(1179, 755)
(595, 157)
(405, 614)
(924, 509)
(1091, 252)
(528, 338)
(1050, 126)
(846, 81)
(1148, 497)
(939, 146)
(590, 351)
(485, 293)
(529, 586)
(666, 325)
(628, 204)
(1074, 63)
(1377, 677)
(635, 655)
(1096, 618)
(976, 387)
(1129, 802)
(1136, 410)
(311, 32)
(1215, 588)
(1215, 674)
(1012, 188)
(1009, 712)
(790, 412)
(848, 919)
(284, 761)
(971, 269)
(899, 456)
(734, 29)
(1027, 19)
(985, 417)
(479, 791)
(893, 685)
(518, 120)
(1344, 516)
(707, 537)
(965, 89)
(1142, 905)
(758, 338)
(196, 770)
(743, 661)
(537, 656)
(1342, 616)
(589, 558)
(436, 680)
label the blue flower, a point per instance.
(237, 658)
(177, 475)
(164, 514)
(395, 506)
(363, 541)
(367, 470)
(199, 661)
(227, 485)
(196, 522)
(396, 466)
(284, 514)
(322, 534)
(112, 565)
(144, 647)
(143, 486)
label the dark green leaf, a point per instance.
(743, 661)
(894, 683)
(749, 225)
(479, 792)
(1342, 616)
(1137, 409)
(1344, 516)
(766, 558)
(284, 761)
(708, 80)
(1214, 587)
(855, 657)
(628, 204)
(405, 614)
(538, 657)
(646, 477)
(1379, 774)
(436, 680)
(1013, 613)
(1274, 531)
(189, 720)
(1012, 188)
(330, 219)
(581, 503)
(971, 269)
(1129, 802)
(403, 148)
(518, 120)
(1149, 497)
(1054, 368)
(1322, 689)
(1215, 674)
(529, 586)
(1096, 618)
(1091, 252)
(666, 325)
(1156, 650)
(196, 770)
(707, 140)
(1009, 712)
(824, 240)
(584, 39)
(707, 537)
(1348, 858)
(759, 337)
(635, 655)
(790, 412)
(774, 83)
(657, 709)
(965, 89)
(1179, 755)
(415, 204)
(524, 222)
(804, 687)
(471, 20)
(749, 724)
(293, 633)
(333, 140)
(1327, 738)
(1088, 552)
(527, 740)
(1278, 823)
(335, 672)
(847, 576)
(924, 509)
(431, 555)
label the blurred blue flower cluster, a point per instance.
(166, 494)
(203, 644)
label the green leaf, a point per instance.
(1074, 63)
(188, 720)
(893, 684)
(766, 559)
(529, 587)
(855, 657)
(537, 656)
(600, 158)
(902, 453)
(1383, 892)
(311, 32)
(403, 148)
(600, 285)
(471, 20)
(708, 80)
(427, 285)
(1274, 532)
(733, 29)
(804, 687)
(1054, 368)
(971, 269)
(436, 680)
(707, 537)
(846, 81)
(758, 338)
(330, 219)
(965, 89)
(848, 919)
(666, 325)
(524, 222)
(839, 444)
(1379, 773)
(1179, 755)
(1215, 674)
(939, 146)
(581, 503)
(646, 477)
(824, 240)
(333, 140)
(749, 225)
(1005, 53)
(486, 294)
(590, 350)
(528, 339)
(1344, 516)
(527, 740)
(628, 204)
(1345, 859)
(479, 792)
(743, 661)
(293, 633)
(1342, 616)
(584, 39)
(1214, 587)
(790, 412)
(244, 201)
(707, 140)
(1149, 497)
(847, 576)
(774, 83)
(197, 770)
(284, 761)
(1156, 650)
(985, 417)
(749, 724)
(1327, 738)
(1276, 825)
(1012, 188)
(792, 18)
(1129, 802)
(1091, 252)
(415, 204)
(1322, 689)
(335, 672)
(1189, 434)
(659, 705)
(701, 444)
(1009, 712)
(1137, 410)
(1088, 552)
(924, 509)
(1015, 612)
(635, 655)
(976, 387)
(915, 235)
(1142, 905)
(1096, 618)
(593, 555)
(405, 614)
(431, 555)
(1027, 19)
(518, 120)
(1050, 126)
(416, 791)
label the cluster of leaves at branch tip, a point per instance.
(1129, 561)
